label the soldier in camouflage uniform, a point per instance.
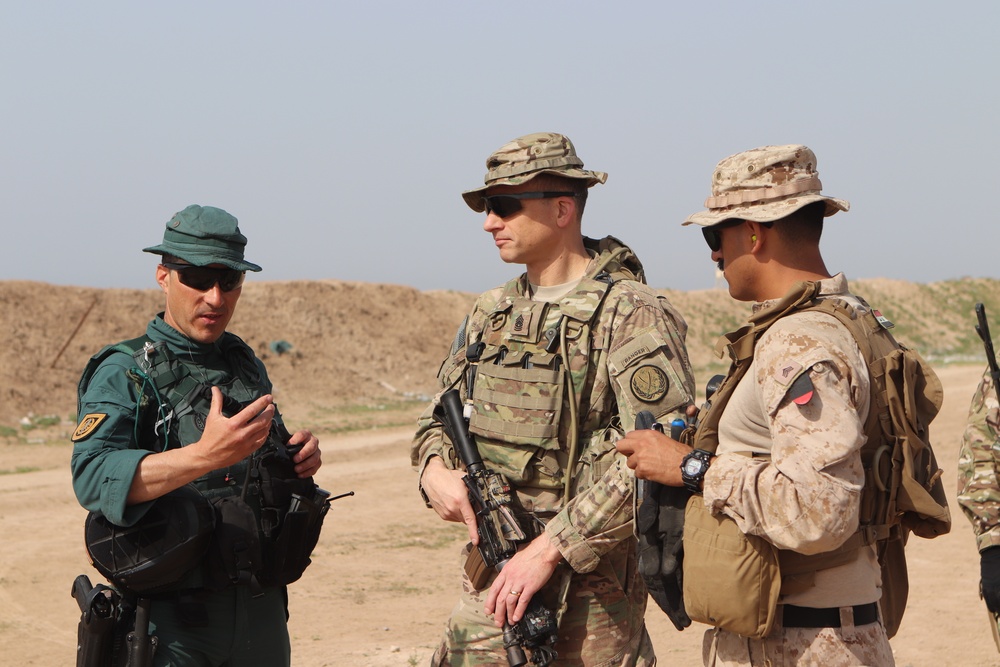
(565, 355)
(979, 485)
(787, 465)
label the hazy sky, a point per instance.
(342, 134)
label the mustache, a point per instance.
(721, 264)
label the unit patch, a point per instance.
(801, 391)
(88, 425)
(649, 383)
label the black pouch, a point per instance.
(297, 538)
(235, 555)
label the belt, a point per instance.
(810, 617)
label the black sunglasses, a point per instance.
(203, 278)
(714, 239)
(507, 205)
(712, 236)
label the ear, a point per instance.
(162, 276)
(565, 211)
(755, 233)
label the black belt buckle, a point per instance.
(811, 617)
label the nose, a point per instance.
(492, 223)
(213, 296)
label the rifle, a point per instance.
(983, 329)
(500, 534)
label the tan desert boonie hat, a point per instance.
(522, 159)
(764, 184)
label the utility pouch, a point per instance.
(719, 559)
(235, 554)
(477, 570)
(297, 538)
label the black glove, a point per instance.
(661, 526)
(989, 567)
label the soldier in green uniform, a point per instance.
(152, 420)
(552, 367)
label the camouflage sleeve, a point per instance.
(647, 369)
(978, 483)
(807, 496)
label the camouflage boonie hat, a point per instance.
(522, 159)
(764, 184)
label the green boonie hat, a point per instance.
(204, 235)
(764, 184)
(522, 159)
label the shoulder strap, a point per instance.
(740, 346)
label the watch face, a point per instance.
(693, 466)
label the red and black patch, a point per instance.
(801, 391)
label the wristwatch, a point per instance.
(693, 469)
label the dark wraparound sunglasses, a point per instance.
(714, 239)
(507, 205)
(203, 278)
(712, 236)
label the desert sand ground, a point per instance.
(384, 576)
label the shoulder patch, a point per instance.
(801, 391)
(649, 383)
(88, 425)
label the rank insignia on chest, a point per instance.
(88, 425)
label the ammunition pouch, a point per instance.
(271, 548)
(291, 517)
(235, 556)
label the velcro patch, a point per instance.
(88, 425)
(787, 373)
(649, 383)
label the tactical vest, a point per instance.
(532, 363)
(263, 535)
(902, 490)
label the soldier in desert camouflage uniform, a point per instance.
(787, 464)
(979, 485)
(567, 353)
